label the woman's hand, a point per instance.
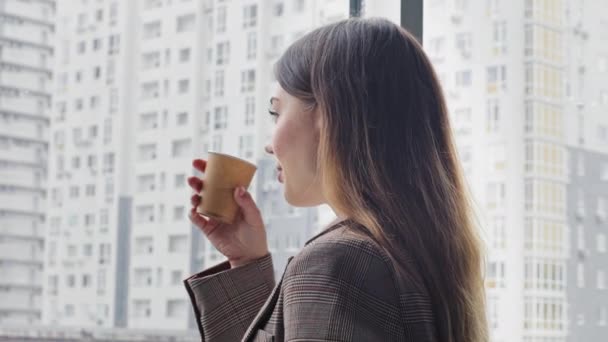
(242, 241)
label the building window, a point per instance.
(178, 213)
(463, 78)
(493, 115)
(246, 146)
(180, 180)
(299, 5)
(221, 19)
(152, 4)
(182, 119)
(464, 44)
(496, 78)
(152, 30)
(141, 308)
(221, 117)
(184, 55)
(250, 16)
(183, 86)
(602, 316)
(248, 80)
(150, 60)
(176, 308)
(219, 83)
(601, 280)
(178, 243)
(150, 90)
(251, 45)
(186, 23)
(216, 143)
(176, 277)
(249, 111)
(278, 9)
(580, 275)
(601, 243)
(499, 35)
(223, 53)
(181, 148)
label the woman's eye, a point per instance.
(274, 114)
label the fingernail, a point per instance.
(241, 191)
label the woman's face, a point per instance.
(295, 139)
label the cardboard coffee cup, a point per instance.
(223, 173)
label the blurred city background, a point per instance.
(104, 104)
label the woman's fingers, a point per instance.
(197, 219)
(199, 164)
(195, 183)
(195, 200)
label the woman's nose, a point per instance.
(268, 149)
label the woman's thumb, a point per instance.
(245, 201)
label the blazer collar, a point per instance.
(335, 224)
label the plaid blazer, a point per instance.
(340, 287)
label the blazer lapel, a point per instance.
(267, 309)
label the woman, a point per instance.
(361, 124)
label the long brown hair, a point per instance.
(388, 160)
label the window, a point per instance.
(246, 146)
(463, 78)
(178, 213)
(82, 47)
(185, 23)
(152, 30)
(464, 44)
(601, 320)
(141, 308)
(219, 83)
(144, 245)
(580, 275)
(604, 171)
(276, 44)
(248, 80)
(178, 243)
(150, 60)
(182, 119)
(184, 55)
(221, 117)
(250, 16)
(183, 86)
(176, 277)
(221, 19)
(278, 9)
(299, 5)
(181, 148)
(223, 53)
(151, 4)
(249, 111)
(150, 90)
(180, 180)
(493, 115)
(436, 46)
(601, 243)
(216, 143)
(601, 280)
(602, 133)
(251, 45)
(176, 308)
(96, 44)
(496, 77)
(499, 38)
